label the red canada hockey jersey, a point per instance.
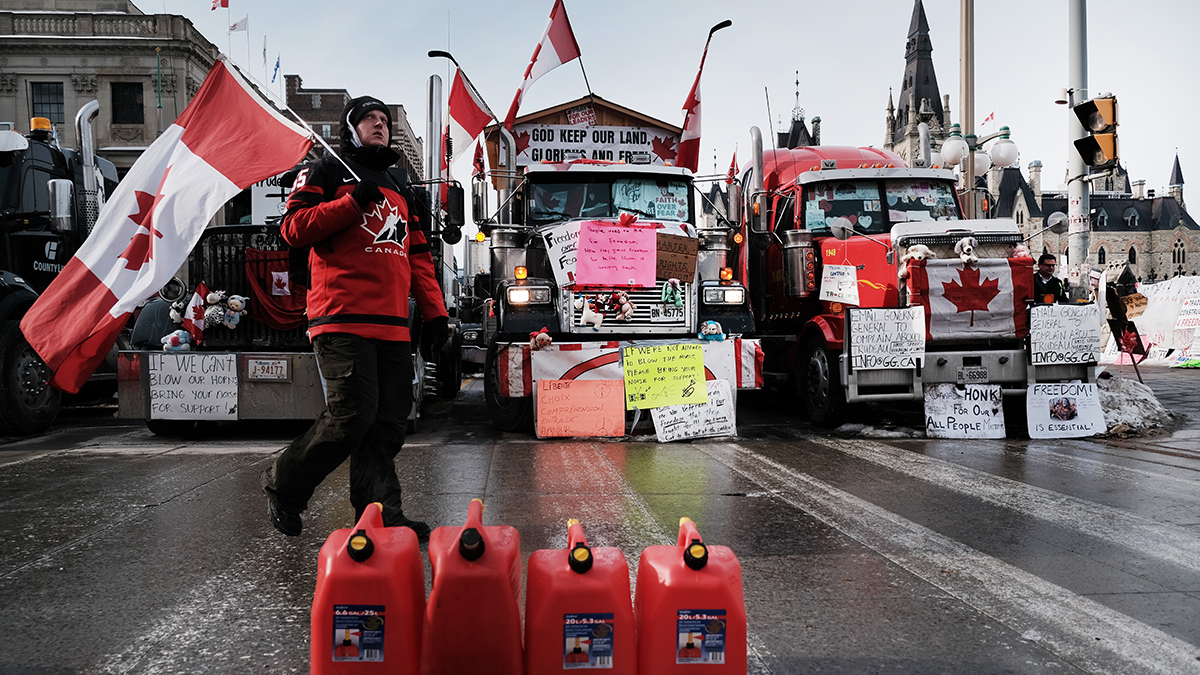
(363, 265)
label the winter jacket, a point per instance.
(364, 263)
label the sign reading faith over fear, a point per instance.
(663, 375)
(975, 411)
(616, 255)
(559, 142)
(1064, 333)
(192, 386)
(886, 338)
(1070, 410)
(716, 417)
(579, 408)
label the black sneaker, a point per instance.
(422, 529)
(287, 523)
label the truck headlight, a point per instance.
(529, 295)
(724, 295)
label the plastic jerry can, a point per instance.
(691, 615)
(370, 598)
(473, 619)
(577, 609)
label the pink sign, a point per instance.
(616, 255)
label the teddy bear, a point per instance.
(711, 330)
(214, 309)
(539, 339)
(1021, 251)
(588, 314)
(965, 249)
(178, 341)
(672, 293)
(914, 252)
(235, 307)
(624, 306)
(178, 311)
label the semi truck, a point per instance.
(50, 197)
(828, 230)
(531, 287)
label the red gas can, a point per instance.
(370, 597)
(473, 620)
(690, 612)
(577, 609)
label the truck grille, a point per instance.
(642, 299)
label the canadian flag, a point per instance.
(689, 140)
(558, 46)
(477, 167)
(729, 177)
(467, 114)
(193, 319)
(225, 141)
(220, 3)
(985, 300)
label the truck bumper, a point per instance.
(737, 360)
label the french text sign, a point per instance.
(562, 249)
(192, 386)
(1064, 411)
(975, 411)
(887, 338)
(1189, 315)
(616, 255)
(1064, 333)
(663, 375)
(580, 408)
(676, 257)
(839, 283)
(714, 418)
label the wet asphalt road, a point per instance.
(121, 552)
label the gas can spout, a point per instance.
(695, 553)
(579, 555)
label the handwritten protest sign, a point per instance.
(192, 386)
(1064, 333)
(579, 408)
(616, 255)
(975, 411)
(1064, 411)
(663, 375)
(716, 417)
(1189, 315)
(676, 257)
(839, 283)
(886, 338)
(562, 249)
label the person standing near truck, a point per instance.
(366, 260)
(1047, 288)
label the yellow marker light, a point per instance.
(738, 238)
(756, 208)
(480, 236)
(726, 273)
(521, 272)
(836, 308)
(39, 124)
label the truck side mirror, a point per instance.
(61, 197)
(451, 234)
(454, 206)
(479, 201)
(842, 228)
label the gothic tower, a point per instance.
(920, 100)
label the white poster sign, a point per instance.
(1064, 411)
(839, 283)
(267, 200)
(699, 420)
(562, 248)
(192, 386)
(1064, 333)
(974, 411)
(886, 338)
(1189, 315)
(560, 142)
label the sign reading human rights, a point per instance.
(537, 143)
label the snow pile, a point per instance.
(1130, 407)
(868, 431)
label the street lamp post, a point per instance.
(969, 152)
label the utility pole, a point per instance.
(1078, 202)
(966, 91)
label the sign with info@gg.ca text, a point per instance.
(192, 386)
(975, 411)
(1070, 410)
(1064, 334)
(886, 338)
(663, 375)
(701, 420)
(567, 408)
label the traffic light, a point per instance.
(1099, 118)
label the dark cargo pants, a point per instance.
(369, 394)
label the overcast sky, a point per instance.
(644, 55)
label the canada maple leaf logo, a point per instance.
(140, 249)
(664, 148)
(280, 284)
(972, 294)
(522, 140)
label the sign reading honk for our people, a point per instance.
(663, 375)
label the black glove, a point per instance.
(436, 332)
(366, 194)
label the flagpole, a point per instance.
(579, 58)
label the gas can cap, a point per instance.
(360, 546)
(695, 555)
(470, 544)
(580, 559)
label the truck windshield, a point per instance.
(873, 206)
(660, 199)
(910, 200)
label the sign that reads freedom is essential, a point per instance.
(557, 142)
(1064, 334)
(886, 338)
(1070, 410)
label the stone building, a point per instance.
(920, 99)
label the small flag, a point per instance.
(264, 51)
(477, 164)
(276, 69)
(989, 118)
(220, 3)
(558, 46)
(193, 319)
(732, 169)
(466, 113)
(243, 24)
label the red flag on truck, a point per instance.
(558, 46)
(689, 140)
(729, 177)
(467, 114)
(226, 140)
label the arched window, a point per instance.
(1131, 218)
(1101, 256)
(1020, 218)
(1102, 218)
(1132, 255)
(1178, 253)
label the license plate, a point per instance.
(973, 375)
(276, 369)
(666, 313)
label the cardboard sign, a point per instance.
(716, 417)
(616, 255)
(1135, 305)
(579, 408)
(839, 283)
(1189, 315)
(886, 338)
(562, 249)
(676, 257)
(1064, 334)
(663, 375)
(192, 386)
(975, 411)
(1064, 411)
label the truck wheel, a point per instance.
(509, 413)
(821, 385)
(28, 404)
(171, 428)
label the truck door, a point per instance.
(35, 252)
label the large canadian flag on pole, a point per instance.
(558, 46)
(225, 141)
(468, 115)
(689, 140)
